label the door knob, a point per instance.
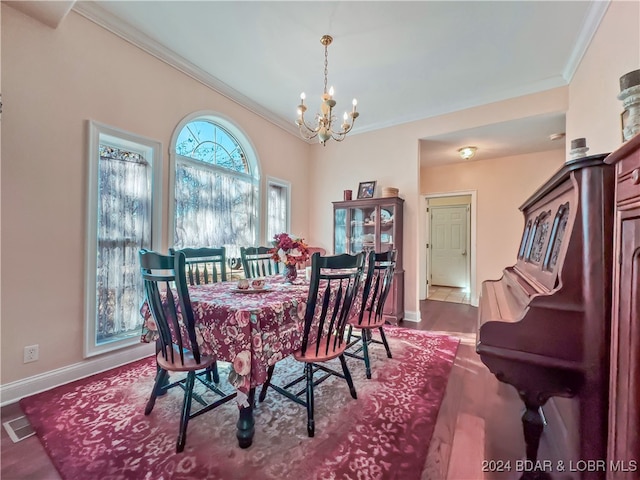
(464, 253)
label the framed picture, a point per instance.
(366, 189)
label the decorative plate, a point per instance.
(251, 290)
(385, 215)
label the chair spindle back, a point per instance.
(257, 262)
(162, 276)
(335, 281)
(204, 265)
(377, 285)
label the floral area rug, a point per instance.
(95, 428)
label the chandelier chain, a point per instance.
(326, 66)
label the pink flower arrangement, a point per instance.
(289, 251)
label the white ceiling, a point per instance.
(403, 61)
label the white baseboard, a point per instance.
(14, 391)
(411, 317)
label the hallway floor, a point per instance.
(449, 294)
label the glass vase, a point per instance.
(290, 273)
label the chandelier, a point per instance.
(325, 121)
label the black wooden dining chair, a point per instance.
(203, 266)
(257, 262)
(334, 284)
(178, 349)
(378, 280)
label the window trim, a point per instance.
(152, 150)
(280, 183)
(243, 140)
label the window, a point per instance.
(278, 207)
(215, 185)
(122, 217)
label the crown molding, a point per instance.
(109, 22)
(594, 16)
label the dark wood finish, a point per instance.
(245, 426)
(204, 265)
(380, 270)
(624, 397)
(359, 225)
(334, 283)
(544, 327)
(177, 352)
(257, 262)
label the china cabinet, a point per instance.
(624, 393)
(373, 224)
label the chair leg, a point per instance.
(265, 385)
(365, 352)
(347, 376)
(308, 372)
(212, 373)
(186, 411)
(161, 378)
(349, 334)
(384, 341)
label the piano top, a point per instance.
(562, 175)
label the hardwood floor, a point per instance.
(479, 419)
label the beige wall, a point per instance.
(53, 82)
(594, 111)
(391, 157)
(501, 186)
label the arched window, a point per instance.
(215, 185)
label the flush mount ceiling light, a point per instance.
(325, 120)
(467, 153)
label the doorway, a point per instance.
(450, 263)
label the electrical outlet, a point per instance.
(31, 353)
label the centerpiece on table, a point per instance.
(290, 251)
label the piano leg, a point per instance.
(533, 426)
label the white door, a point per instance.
(449, 255)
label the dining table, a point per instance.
(251, 329)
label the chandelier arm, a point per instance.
(303, 123)
(339, 136)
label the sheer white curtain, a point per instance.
(124, 227)
(277, 210)
(214, 208)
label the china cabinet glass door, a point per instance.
(373, 224)
(340, 230)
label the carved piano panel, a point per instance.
(544, 326)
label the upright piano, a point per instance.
(544, 327)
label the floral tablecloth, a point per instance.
(250, 330)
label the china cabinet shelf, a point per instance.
(373, 224)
